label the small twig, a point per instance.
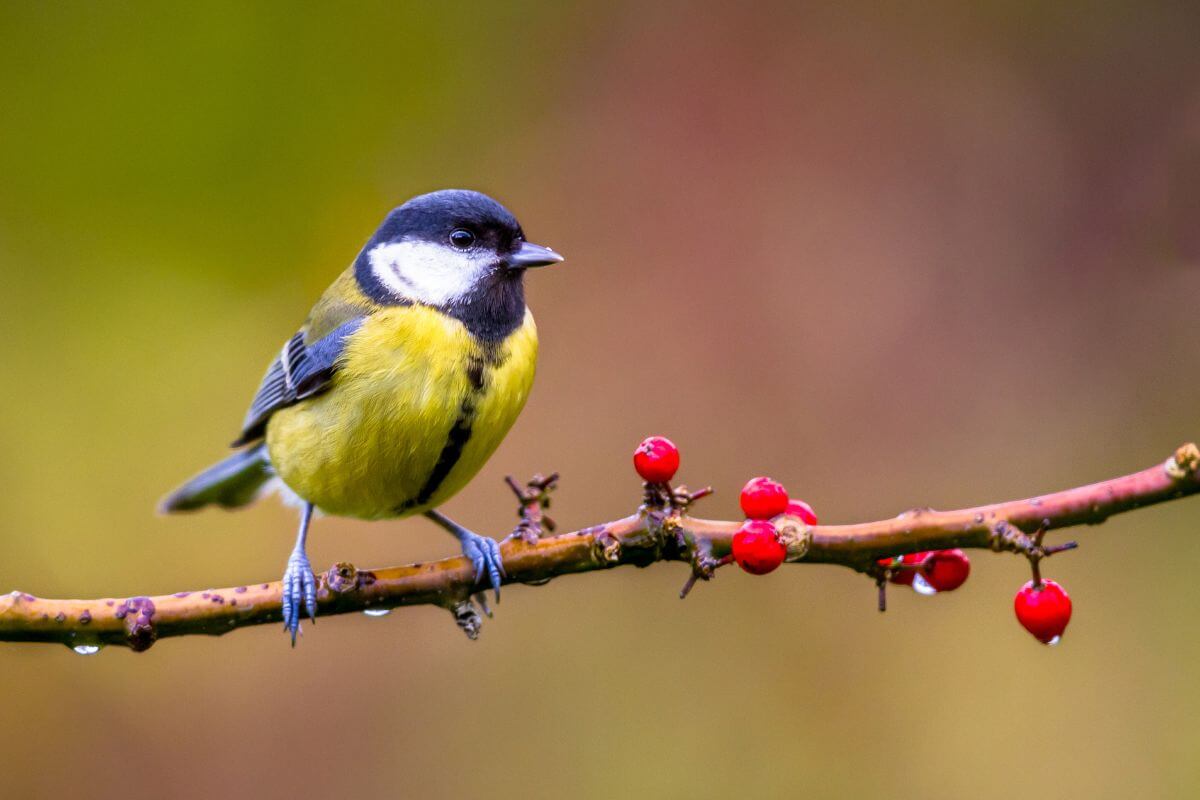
(682, 499)
(703, 568)
(1035, 556)
(1034, 549)
(534, 499)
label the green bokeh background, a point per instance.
(933, 257)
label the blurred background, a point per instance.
(892, 258)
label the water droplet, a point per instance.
(921, 586)
(1054, 641)
(377, 612)
(86, 649)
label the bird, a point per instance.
(405, 377)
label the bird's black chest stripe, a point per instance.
(460, 432)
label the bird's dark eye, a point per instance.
(462, 238)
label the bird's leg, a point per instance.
(299, 585)
(483, 552)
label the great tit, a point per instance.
(407, 374)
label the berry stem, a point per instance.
(1035, 551)
(1039, 537)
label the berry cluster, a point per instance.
(756, 546)
(1042, 606)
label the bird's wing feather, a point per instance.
(300, 370)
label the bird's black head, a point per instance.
(455, 250)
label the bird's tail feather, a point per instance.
(237, 481)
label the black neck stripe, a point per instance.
(456, 442)
(460, 432)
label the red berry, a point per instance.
(656, 459)
(904, 577)
(756, 547)
(763, 498)
(946, 570)
(1043, 610)
(801, 509)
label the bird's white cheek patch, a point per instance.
(429, 273)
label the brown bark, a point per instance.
(662, 530)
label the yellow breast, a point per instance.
(416, 408)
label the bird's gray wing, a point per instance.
(299, 371)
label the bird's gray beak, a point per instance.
(533, 255)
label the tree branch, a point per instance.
(662, 530)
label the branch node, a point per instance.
(796, 536)
(341, 578)
(671, 526)
(667, 535)
(534, 499)
(1184, 463)
(1006, 537)
(657, 496)
(608, 546)
(704, 565)
(683, 498)
(140, 630)
(467, 618)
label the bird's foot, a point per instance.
(299, 587)
(485, 556)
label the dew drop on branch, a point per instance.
(377, 612)
(86, 649)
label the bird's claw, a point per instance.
(299, 586)
(485, 556)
